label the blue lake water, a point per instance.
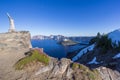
(52, 48)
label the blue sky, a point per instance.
(65, 17)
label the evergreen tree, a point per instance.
(98, 35)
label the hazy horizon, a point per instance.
(61, 35)
(64, 17)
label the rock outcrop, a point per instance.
(63, 69)
(15, 40)
(108, 67)
(108, 74)
(13, 45)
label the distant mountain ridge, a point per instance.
(61, 37)
(43, 37)
(115, 36)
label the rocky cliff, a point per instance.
(15, 40)
(13, 45)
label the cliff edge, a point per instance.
(19, 39)
(13, 45)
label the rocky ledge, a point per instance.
(13, 45)
(19, 39)
(55, 69)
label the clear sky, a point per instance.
(66, 17)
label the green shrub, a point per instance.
(86, 72)
(91, 75)
(75, 65)
(79, 66)
(36, 56)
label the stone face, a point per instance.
(69, 73)
(108, 74)
(15, 40)
(60, 67)
(46, 68)
(55, 68)
(13, 45)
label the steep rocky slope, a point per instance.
(63, 69)
(14, 45)
(15, 39)
(107, 61)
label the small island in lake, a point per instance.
(68, 42)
